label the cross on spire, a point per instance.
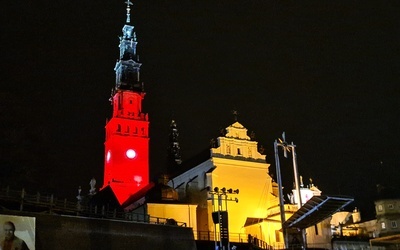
(235, 114)
(128, 10)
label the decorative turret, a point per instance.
(174, 151)
(127, 68)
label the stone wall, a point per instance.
(59, 232)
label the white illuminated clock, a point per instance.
(108, 157)
(130, 153)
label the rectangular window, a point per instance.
(383, 225)
(391, 206)
(393, 224)
(316, 229)
(380, 208)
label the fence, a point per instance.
(22, 201)
(234, 238)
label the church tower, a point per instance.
(126, 161)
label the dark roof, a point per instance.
(106, 196)
(316, 210)
(192, 162)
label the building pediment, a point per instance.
(237, 131)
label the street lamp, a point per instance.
(220, 216)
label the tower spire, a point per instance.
(128, 11)
(127, 132)
(127, 68)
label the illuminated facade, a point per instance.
(126, 166)
(388, 216)
(234, 161)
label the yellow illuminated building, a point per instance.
(233, 178)
(234, 162)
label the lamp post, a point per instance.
(220, 216)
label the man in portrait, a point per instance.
(11, 241)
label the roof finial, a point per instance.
(128, 10)
(235, 114)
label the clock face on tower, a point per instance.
(108, 157)
(130, 153)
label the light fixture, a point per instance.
(130, 153)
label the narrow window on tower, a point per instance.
(127, 130)
(119, 128)
(119, 102)
(135, 131)
(131, 77)
(238, 151)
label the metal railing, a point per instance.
(23, 201)
(235, 238)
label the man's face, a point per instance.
(8, 232)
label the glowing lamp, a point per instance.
(108, 156)
(130, 153)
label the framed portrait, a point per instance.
(17, 231)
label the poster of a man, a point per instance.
(11, 241)
(17, 232)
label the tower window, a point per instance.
(119, 128)
(383, 225)
(393, 224)
(119, 102)
(238, 151)
(391, 206)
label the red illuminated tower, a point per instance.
(126, 165)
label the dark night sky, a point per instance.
(327, 73)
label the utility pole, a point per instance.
(286, 148)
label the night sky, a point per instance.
(325, 72)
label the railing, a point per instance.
(22, 201)
(235, 238)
